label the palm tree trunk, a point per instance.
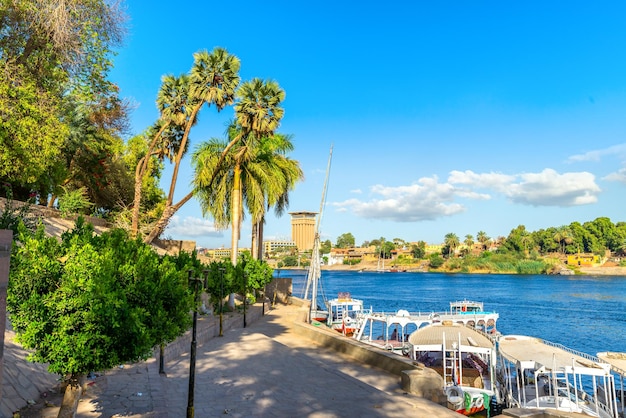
(255, 240)
(236, 223)
(259, 238)
(167, 214)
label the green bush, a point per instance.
(91, 302)
(74, 202)
(531, 267)
(435, 260)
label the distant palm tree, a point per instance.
(563, 236)
(469, 242)
(483, 238)
(451, 241)
(526, 240)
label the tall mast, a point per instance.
(315, 268)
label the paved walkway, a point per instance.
(264, 370)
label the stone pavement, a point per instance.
(264, 370)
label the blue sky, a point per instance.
(447, 116)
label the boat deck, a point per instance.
(451, 333)
(551, 356)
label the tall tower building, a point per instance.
(303, 229)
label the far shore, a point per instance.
(589, 271)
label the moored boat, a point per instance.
(538, 374)
(344, 313)
(618, 365)
(465, 359)
(391, 330)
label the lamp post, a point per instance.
(221, 300)
(194, 343)
(245, 296)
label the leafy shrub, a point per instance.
(435, 260)
(531, 267)
(74, 202)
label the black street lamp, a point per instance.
(245, 296)
(194, 342)
(221, 300)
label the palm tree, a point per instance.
(451, 241)
(483, 238)
(526, 239)
(563, 236)
(256, 175)
(283, 174)
(166, 134)
(469, 242)
(258, 114)
(213, 80)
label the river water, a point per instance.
(585, 313)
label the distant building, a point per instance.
(222, 253)
(303, 229)
(586, 260)
(273, 247)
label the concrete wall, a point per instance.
(414, 377)
(279, 290)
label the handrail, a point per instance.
(572, 351)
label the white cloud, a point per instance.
(619, 175)
(596, 155)
(550, 188)
(492, 180)
(192, 227)
(428, 199)
(356, 191)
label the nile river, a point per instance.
(585, 313)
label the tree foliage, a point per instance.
(345, 240)
(61, 117)
(92, 302)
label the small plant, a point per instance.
(74, 201)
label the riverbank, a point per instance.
(607, 270)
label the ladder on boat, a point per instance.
(451, 363)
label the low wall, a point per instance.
(415, 378)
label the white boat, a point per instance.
(465, 359)
(390, 331)
(343, 313)
(538, 374)
(618, 366)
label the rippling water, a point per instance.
(585, 313)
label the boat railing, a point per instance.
(572, 351)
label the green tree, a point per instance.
(435, 260)
(419, 250)
(469, 243)
(213, 80)
(92, 302)
(451, 242)
(562, 236)
(345, 240)
(164, 139)
(277, 177)
(483, 238)
(325, 247)
(54, 55)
